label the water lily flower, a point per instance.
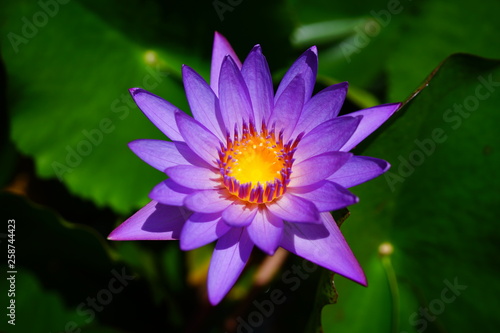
(254, 168)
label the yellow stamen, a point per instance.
(256, 160)
(257, 166)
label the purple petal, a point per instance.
(190, 155)
(152, 222)
(372, 119)
(288, 107)
(208, 201)
(201, 229)
(169, 192)
(294, 209)
(164, 154)
(194, 177)
(326, 137)
(220, 50)
(323, 245)
(198, 138)
(322, 107)
(239, 214)
(307, 66)
(203, 102)
(265, 231)
(228, 260)
(257, 76)
(327, 196)
(235, 103)
(317, 168)
(160, 112)
(359, 169)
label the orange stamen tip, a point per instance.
(256, 167)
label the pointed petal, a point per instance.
(327, 196)
(317, 168)
(228, 260)
(220, 50)
(294, 209)
(235, 103)
(201, 229)
(322, 107)
(326, 137)
(152, 222)
(324, 245)
(198, 138)
(203, 102)
(372, 119)
(190, 155)
(194, 177)
(255, 72)
(265, 231)
(208, 201)
(288, 107)
(239, 214)
(307, 66)
(159, 112)
(169, 192)
(359, 169)
(157, 153)
(164, 154)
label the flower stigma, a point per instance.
(256, 167)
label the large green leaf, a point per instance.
(375, 302)
(69, 103)
(437, 206)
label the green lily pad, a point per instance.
(375, 301)
(436, 206)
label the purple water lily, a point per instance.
(254, 167)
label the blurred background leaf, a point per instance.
(389, 46)
(44, 308)
(61, 268)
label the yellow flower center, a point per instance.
(256, 167)
(256, 160)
